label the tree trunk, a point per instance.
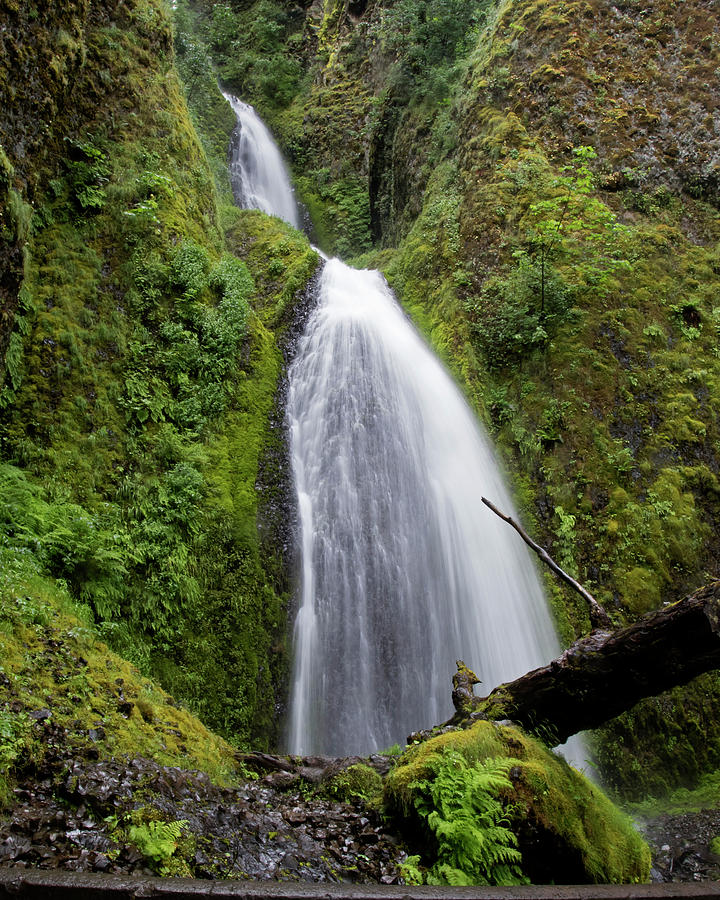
(606, 673)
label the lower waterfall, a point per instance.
(404, 570)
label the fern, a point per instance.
(157, 841)
(461, 807)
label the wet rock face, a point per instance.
(78, 818)
(681, 846)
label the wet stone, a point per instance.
(295, 816)
(681, 846)
(260, 831)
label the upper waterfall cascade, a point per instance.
(257, 172)
(404, 570)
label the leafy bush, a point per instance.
(14, 729)
(425, 37)
(88, 170)
(508, 322)
(189, 268)
(225, 326)
(248, 49)
(569, 245)
(163, 844)
(69, 542)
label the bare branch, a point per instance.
(598, 617)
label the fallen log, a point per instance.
(607, 672)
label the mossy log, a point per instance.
(606, 673)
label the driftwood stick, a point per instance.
(598, 617)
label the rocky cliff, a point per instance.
(538, 181)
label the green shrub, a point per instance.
(14, 730)
(68, 542)
(88, 170)
(189, 268)
(357, 784)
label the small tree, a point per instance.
(567, 242)
(573, 228)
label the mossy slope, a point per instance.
(65, 692)
(139, 399)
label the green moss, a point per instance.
(546, 801)
(52, 659)
(681, 800)
(280, 257)
(142, 383)
(664, 744)
(639, 589)
(357, 784)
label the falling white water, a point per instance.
(257, 170)
(404, 570)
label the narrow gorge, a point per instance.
(248, 414)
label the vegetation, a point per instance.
(563, 262)
(483, 794)
(140, 382)
(681, 800)
(63, 687)
(460, 805)
(163, 844)
(357, 784)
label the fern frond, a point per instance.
(462, 808)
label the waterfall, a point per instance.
(257, 172)
(404, 570)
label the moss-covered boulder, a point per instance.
(494, 803)
(64, 695)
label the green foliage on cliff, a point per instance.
(424, 39)
(141, 382)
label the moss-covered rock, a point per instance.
(566, 829)
(357, 784)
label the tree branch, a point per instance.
(598, 617)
